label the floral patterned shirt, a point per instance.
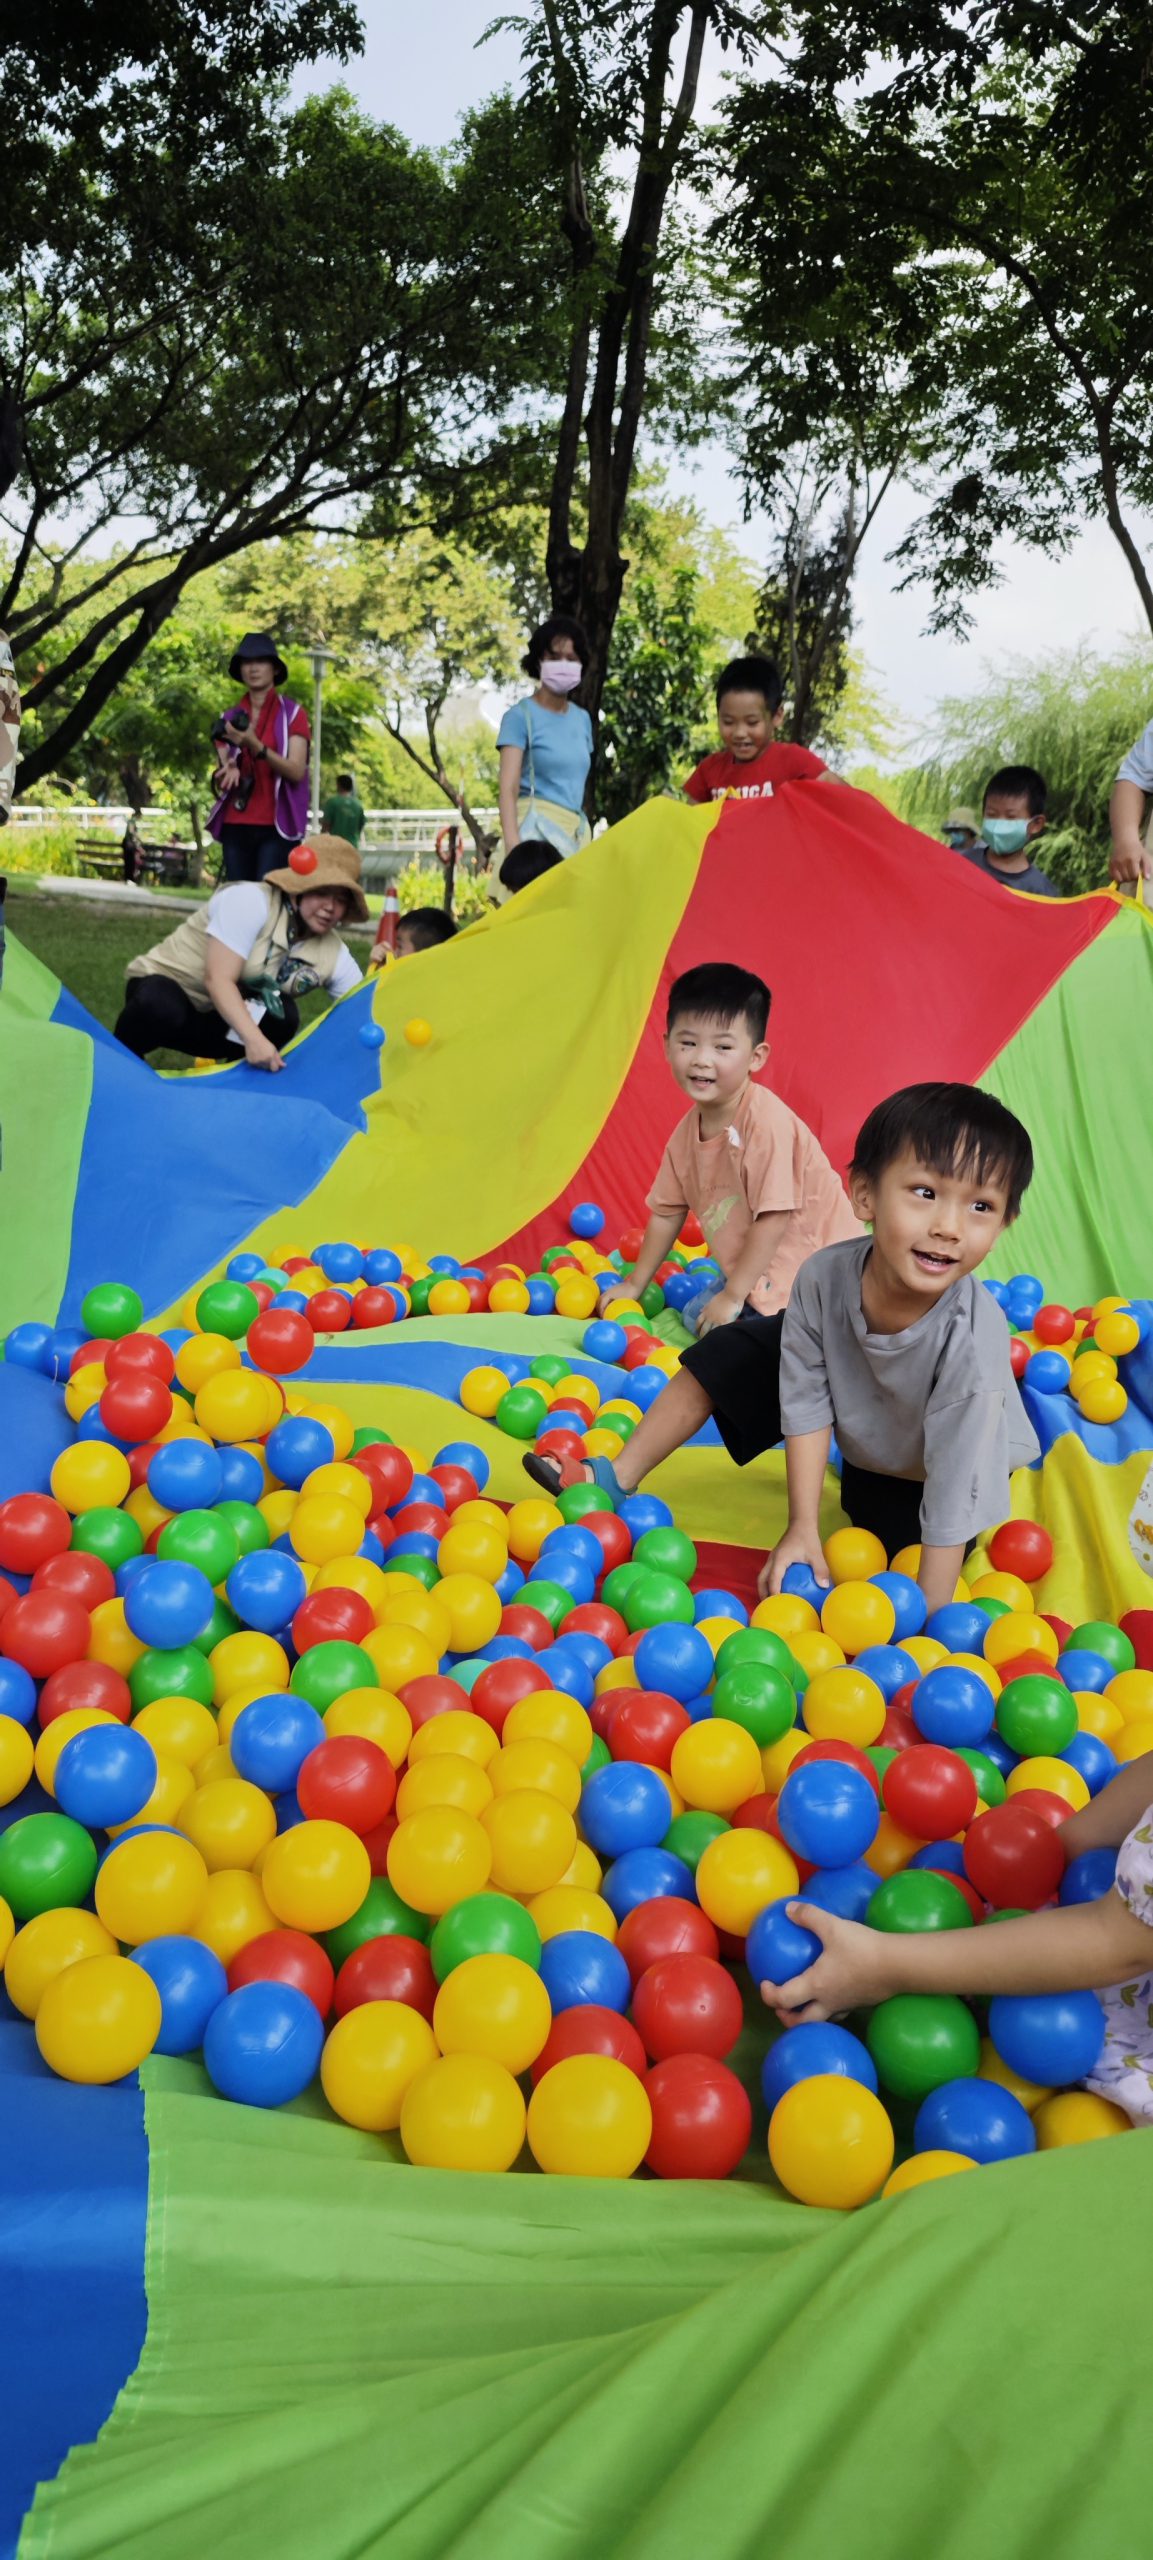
(1125, 2070)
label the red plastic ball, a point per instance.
(389, 1472)
(899, 1728)
(692, 1231)
(136, 1405)
(1013, 1857)
(382, 1528)
(1062, 1627)
(85, 1684)
(456, 1485)
(477, 1296)
(1137, 1624)
(568, 1448)
(8, 1594)
(929, 1791)
(772, 1824)
(89, 1355)
(263, 1292)
(667, 1926)
(329, 1311)
(280, 1341)
(636, 1354)
(849, 1754)
(141, 1351)
(1019, 1355)
(1050, 1324)
(420, 1520)
(45, 1631)
(288, 1956)
(347, 1779)
(85, 1578)
(630, 1243)
(140, 1459)
(757, 1813)
(387, 1969)
(326, 1616)
(302, 859)
(433, 1694)
(687, 2004)
(372, 1307)
(591, 2030)
(1023, 1547)
(962, 1885)
(499, 1688)
(32, 1528)
(592, 1618)
(1047, 1807)
(644, 1725)
(530, 1625)
(614, 1538)
(1022, 1664)
(702, 2117)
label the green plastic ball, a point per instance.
(201, 1538)
(689, 1834)
(992, 1608)
(521, 1412)
(484, 1924)
(223, 1622)
(653, 1299)
(1036, 1714)
(1099, 1636)
(553, 1603)
(47, 1863)
(382, 1914)
(918, 2040)
(623, 1424)
(418, 1568)
(114, 1536)
(111, 1310)
(667, 1551)
(756, 1644)
(551, 1368)
(617, 1585)
(177, 1671)
(599, 1754)
(248, 1525)
(757, 1696)
(577, 1500)
(882, 1755)
(369, 1437)
(990, 1783)
(658, 1600)
(324, 1673)
(421, 1291)
(918, 1898)
(227, 1307)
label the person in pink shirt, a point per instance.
(766, 1197)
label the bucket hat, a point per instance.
(336, 865)
(257, 644)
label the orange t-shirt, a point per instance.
(765, 1160)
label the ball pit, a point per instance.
(374, 1780)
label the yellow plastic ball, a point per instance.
(527, 1526)
(777, 1757)
(589, 2117)
(233, 1405)
(981, 1670)
(481, 1391)
(437, 1857)
(84, 1389)
(418, 1032)
(571, 1906)
(549, 1715)
(7, 1928)
(739, 1874)
(577, 1297)
(44, 1947)
(716, 1631)
(377, 1716)
(370, 2061)
(447, 1778)
(816, 1652)
(316, 1875)
(247, 1660)
(1078, 2115)
(844, 1706)
(603, 1444)
(926, 1651)
(1020, 1632)
(1089, 1368)
(716, 1765)
(216, 1764)
(180, 1728)
(208, 1355)
(540, 1766)
(1104, 1400)
(342, 1483)
(473, 1549)
(1029, 2093)
(98, 2020)
(531, 1838)
(230, 1823)
(353, 1573)
(853, 1555)
(406, 1603)
(232, 1913)
(830, 2142)
(508, 1298)
(449, 1298)
(577, 1390)
(325, 1525)
(90, 1475)
(1130, 1693)
(1116, 1333)
(17, 1753)
(399, 1654)
(474, 1611)
(459, 1734)
(1134, 1740)
(51, 1743)
(1009, 1587)
(488, 1515)
(786, 1614)
(857, 1614)
(495, 2005)
(584, 1869)
(151, 1885)
(172, 1788)
(463, 2112)
(1098, 1714)
(148, 1514)
(110, 1638)
(619, 1674)
(1056, 1776)
(924, 2169)
(276, 1509)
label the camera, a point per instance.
(242, 793)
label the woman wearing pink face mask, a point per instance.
(546, 746)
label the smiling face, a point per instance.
(929, 1228)
(712, 1061)
(323, 910)
(746, 724)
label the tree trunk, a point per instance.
(196, 858)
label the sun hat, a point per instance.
(336, 865)
(257, 644)
(964, 818)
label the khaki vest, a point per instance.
(183, 955)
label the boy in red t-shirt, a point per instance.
(752, 759)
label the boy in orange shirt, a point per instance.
(766, 1197)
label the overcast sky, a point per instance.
(1089, 595)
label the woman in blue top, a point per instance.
(546, 745)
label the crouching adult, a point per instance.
(226, 983)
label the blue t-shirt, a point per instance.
(557, 758)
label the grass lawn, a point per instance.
(89, 947)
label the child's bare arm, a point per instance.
(660, 1236)
(1084, 1946)
(755, 1258)
(806, 1458)
(1106, 1822)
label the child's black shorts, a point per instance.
(739, 1367)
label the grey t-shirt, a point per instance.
(1036, 883)
(1138, 764)
(937, 1403)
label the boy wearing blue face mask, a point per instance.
(1013, 819)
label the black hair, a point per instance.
(723, 993)
(1020, 782)
(344, 782)
(427, 926)
(560, 626)
(752, 675)
(955, 1129)
(528, 861)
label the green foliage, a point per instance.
(49, 853)
(656, 695)
(421, 884)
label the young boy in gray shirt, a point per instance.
(893, 1343)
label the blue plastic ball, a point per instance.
(977, 2117)
(191, 1981)
(675, 1660)
(1046, 1373)
(541, 1295)
(1092, 1759)
(996, 1750)
(604, 1340)
(266, 1590)
(169, 1604)
(679, 1288)
(422, 1489)
(1081, 1670)
(66, 1341)
(1090, 1877)
(998, 1291)
(579, 1646)
(801, 1583)
(339, 1261)
(719, 1604)
(643, 1875)
(372, 1035)
(415, 1542)
(243, 1475)
(953, 1706)
(288, 1810)
(105, 1776)
(642, 1511)
(514, 1364)
(568, 1572)
(644, 1386)
(569, 1672)
(511, 1581)
(828, 1813)
(625, 1806)
(908, 1602)
(847, 1891)
(889, 1666)
(382, 1265)
(271, 1740)
(262, 2046)
(297, 1445)
(187, 1475)
(1054, 2037)
(580, 1969)
(960, 1626)
(574, 1541)
(943, 1856)
(17, 1692)
(29, 1346)
(810, 2050)
(586, 1220)
(245, 1266)
(464, 1453)
(776, 1948)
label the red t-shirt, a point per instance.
(261, 808)
(724, 777)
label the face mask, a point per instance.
(562, 675)
(1006, 835)
(953, 837)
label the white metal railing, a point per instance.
(400, 832)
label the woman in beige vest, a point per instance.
(225, 983)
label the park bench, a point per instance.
(97, 858)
